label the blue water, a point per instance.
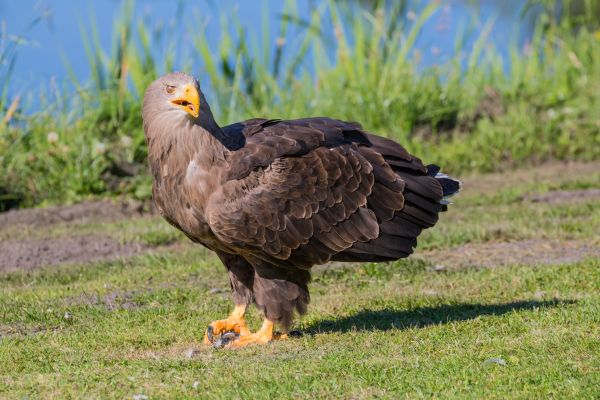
(41, 58)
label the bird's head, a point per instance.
(176, 101)
(176, 95)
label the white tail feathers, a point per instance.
(450, 187)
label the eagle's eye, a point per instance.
(170, 89)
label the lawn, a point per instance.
(501, 300)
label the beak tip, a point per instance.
(189, 101)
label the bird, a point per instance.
(273, 198)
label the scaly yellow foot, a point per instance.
(234, 323)
(264, 335)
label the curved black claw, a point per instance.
(230, 335)
(224, 339)
(209, 334)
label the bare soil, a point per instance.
(29, 254)
(564, 196)
(526, 252)
(33, 253)
(86, 212)
(554, 172)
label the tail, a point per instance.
(427, 193)
(450, 186)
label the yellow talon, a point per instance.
(234, 323)
(264, 335)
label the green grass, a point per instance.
(403, 332)
(398, 330)
(413, 334)
(477, 112)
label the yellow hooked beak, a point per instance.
(189, 100)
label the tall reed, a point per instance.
(479, 111)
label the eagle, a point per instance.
(273, 198)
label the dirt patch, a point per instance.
(86, 212)
(29, 254)
(20, 330)
(564, 196)
(552, 172)
(530, 252)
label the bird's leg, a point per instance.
(264, 335)
(234, 323)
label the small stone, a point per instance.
(437, 268)
(140, 397)
(191, 353)
(67, 315)
(196, 384)
(495, 360)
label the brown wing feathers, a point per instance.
(421, 195)
(401, 219)
(321, 189)
(321, 196)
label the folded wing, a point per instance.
(308, 191)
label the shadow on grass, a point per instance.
(385, 319)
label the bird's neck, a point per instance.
(172, 147)
(206, 122)
(228, 141)
(209, 144)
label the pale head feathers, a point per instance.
(160, 114)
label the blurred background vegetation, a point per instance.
(483, 109)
